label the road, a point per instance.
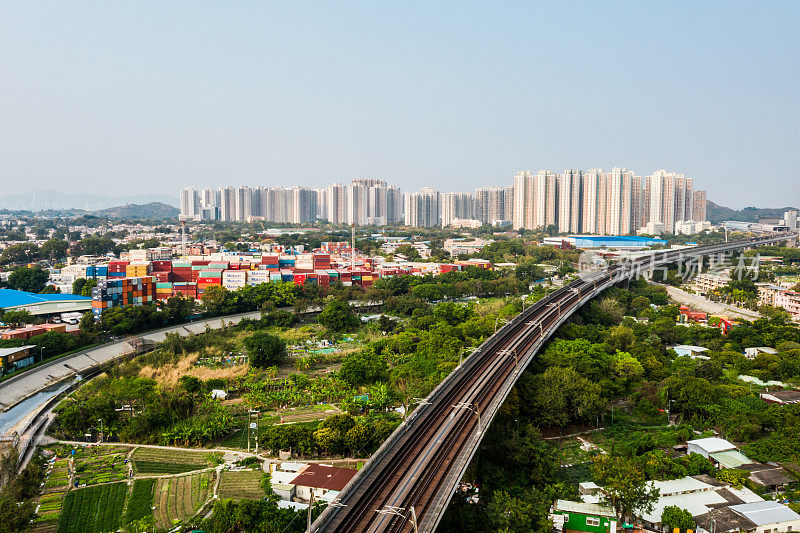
(27, 383)
(695, 301)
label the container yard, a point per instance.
(123, 282)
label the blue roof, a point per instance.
(615, 240)
(12, 298)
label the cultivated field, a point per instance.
(160, 461)
(178, 498)
(97, 508)
(100, 464)
(241, 485)
(140, 501)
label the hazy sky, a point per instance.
(134, 97)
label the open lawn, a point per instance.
(178, 498)
(162, 461)
(241, 485)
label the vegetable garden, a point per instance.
(100, 464)
(96, 508)
(241, 485)
(179, 498)
(140, 502)
(160, 461)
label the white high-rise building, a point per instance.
(227, 204)
(490, 204)
(455, 206)
(190, 203)
(570, 189)
(422, 208)
(337, 204)
(523, 200)
(322, 203)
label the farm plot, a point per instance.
(97, 508)
(58, 479)
(100, 464)
(49, 510)
(307, 413)
(241, 485)
(140, 502)
(160, 461)
(178, 498)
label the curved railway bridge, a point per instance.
(408, 482)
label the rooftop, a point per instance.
(584, 508)
(766, 512)
(11, 298)
(324, 477)
(11, 351)
(730, 458)
(712, 444)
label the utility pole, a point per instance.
(183, 239)
(352, 246)
(310, 505)
(252, 428)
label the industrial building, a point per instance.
(43, 304)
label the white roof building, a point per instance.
(695, 496)
(709, 445)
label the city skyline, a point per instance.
(618, 202)
(104, 97)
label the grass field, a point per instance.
(178, 498)
(92, 509)
(571, 452)
(241, 485)
(159, 461)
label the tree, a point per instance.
(19, 253)
(409, 251)
(675, 517)
(265, 349)
(338, 316)
(83, 286)
(28, 279)
(561, 395)
(18, 317)
(54, 249)
(624, 485)
(362, 368)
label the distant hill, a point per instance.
(60, 201)
(140, 211)
(718, 213)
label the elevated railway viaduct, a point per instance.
(410, 479)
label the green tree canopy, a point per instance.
(28, 279)
(338, 316)
(265, 349)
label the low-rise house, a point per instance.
(570, 516)
(754, 517)
(695, 352)
(752, 353)
(708, 445)
(696, 494)
(771, 477)
(323, 481)
(782, 397)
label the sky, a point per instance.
(147, 97)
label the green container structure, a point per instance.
(568, 516)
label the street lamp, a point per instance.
(101, 428)
(470, 406)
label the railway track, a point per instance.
(409, 481)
